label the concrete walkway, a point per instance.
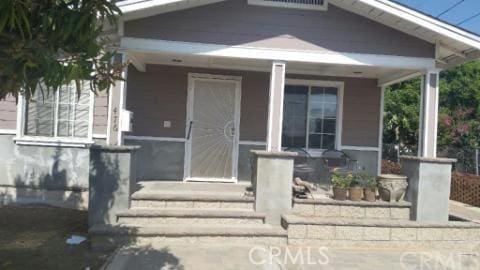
(195, 257)
(465, 211)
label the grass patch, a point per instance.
(33, 237)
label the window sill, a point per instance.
(47, 141)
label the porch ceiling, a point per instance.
(383, 74)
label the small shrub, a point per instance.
(341, 180)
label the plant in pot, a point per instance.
(356, 188)
(370, 187)
(341, 182)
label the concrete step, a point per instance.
(198, 200)
(347, 232)
(181, 216)
(109, 237)
(327, 207)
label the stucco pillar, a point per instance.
(116, 104)
(275, 107)
(272, 174)
(428, 187)
(427, 143)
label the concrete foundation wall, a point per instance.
(159, 160)
(45, 167)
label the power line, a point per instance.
(469, 19)
(450, 8)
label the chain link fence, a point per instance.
(468, 159)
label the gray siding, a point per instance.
(8, 113)
(236, 23)
(160, 94)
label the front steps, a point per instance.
(375, 233)
(181, 216)
(188, 213)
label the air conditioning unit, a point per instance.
(298, 4)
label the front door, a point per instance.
(212, 128)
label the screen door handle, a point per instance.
(189, 130)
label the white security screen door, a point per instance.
(212, 128)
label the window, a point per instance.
(310, 118)
(63, 115)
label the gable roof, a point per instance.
(454, 45)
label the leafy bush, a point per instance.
(341, 180)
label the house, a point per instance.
(208, 81)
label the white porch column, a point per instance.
(427, 143)
(275, 107)
(116, 104)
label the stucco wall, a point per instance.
(236, 23)
(52, 168)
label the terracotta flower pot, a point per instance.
(356, 194)
(339, 193)
(370, 194)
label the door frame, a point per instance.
(192, 77)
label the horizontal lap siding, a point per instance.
(236, 23)
(160, 94)
(8, 113)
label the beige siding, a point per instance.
(236, 23)
(160, 94)
(100, 113)
(8, 113)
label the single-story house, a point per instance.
(208, 81)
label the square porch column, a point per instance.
(428, 177)
(427, 143)
(272, 170)
(116, 104)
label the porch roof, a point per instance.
(454, 45)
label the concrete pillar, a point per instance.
(111, 181)
(116, 104)
(428, 187)
(427, 143)
(275, 107)
(272, 175)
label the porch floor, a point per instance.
(192, 188)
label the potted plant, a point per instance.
(370, 187)
(341, 182)
(356, 189)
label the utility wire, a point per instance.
(450, 8)
(469, 19)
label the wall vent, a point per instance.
(298, 4)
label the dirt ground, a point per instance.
(33, 237)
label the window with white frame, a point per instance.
(310, 116)
(63, 114)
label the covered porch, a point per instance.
(198, 116)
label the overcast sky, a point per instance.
(463, 11)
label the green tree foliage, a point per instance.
(48, 43)
(459, 119)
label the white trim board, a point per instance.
(359, 148)
(270, 54)
(159, 139)
(253, 143)
(8, 131)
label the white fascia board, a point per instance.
(214, 50)
(424, 21)
(398, 78)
